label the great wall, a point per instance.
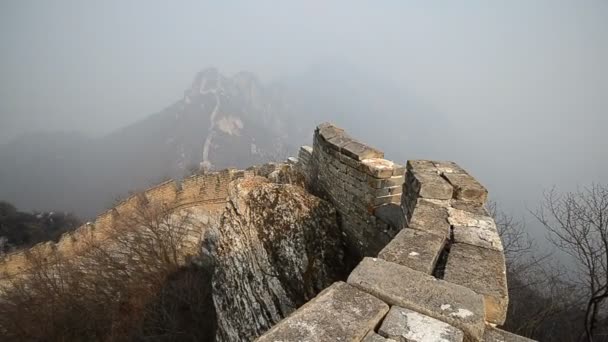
(428, 263)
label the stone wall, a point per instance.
(358, 181)
(207, 191)
(442, 277)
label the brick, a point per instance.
(403, 324)
(467, 188)
(359, 151)
(340, 312)
(387, 199)
(387, 182)
(388, 191)
(448, 167)
(339, 141)
(377, 167)
(327, 131)
(416, 249)
(483, 271)
(399, 285)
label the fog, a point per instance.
(520, 88)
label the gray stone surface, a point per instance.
(414, 290)
(416, 249)
(328, 131)
(431, 185)
(474, 229)
(378, 167)
(387, 182)
(448, 167)
(373, 337)
(431, 218)
(421, 166)
(472, 207)
(399, 170)
(361, 151)
(466, 188)
(406, 325)
(483, 271)
(339, 313)
(497, 335)
(392, 214)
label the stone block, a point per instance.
(388, 191)
(387, 199)
(421, 166)
(474, 229)
(430, 217)
(483, 271)
(448, 167)
(430, 185)
(471, 207)
(493, 334)
(339, 313)
(349, 161)
(378, 167)
(306, 150)
(338, 141)
(373, 337)
(400, 285)
(376, 183)
(391, 214)
(359, 151)
(402, 324)
(467, 188)
(399, 170)
(416, 249)
(327, 131)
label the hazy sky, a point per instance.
(526, 81)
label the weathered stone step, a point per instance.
(416, 249)
(399, 285)
(402, 324)
(339, 313)
(483, 271)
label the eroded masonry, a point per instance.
(426, 259)
(433, 266)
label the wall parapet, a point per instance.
(443, 269)
(358, 181)
(209, 190)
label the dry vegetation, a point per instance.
(130, 285)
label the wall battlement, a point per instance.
(208, 191)
(433, 266)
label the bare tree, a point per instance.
(120, 286)
(577, 223)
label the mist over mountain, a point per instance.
(221, 121)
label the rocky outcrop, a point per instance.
(274, 248)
